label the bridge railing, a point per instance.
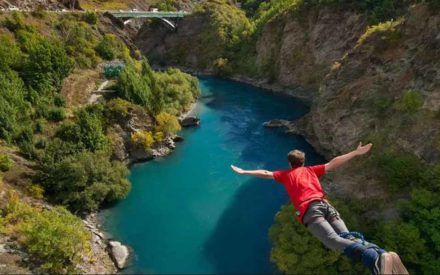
(149, 14)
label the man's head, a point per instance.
(296, 158)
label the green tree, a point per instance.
(87, 131)
(177, 89)
(157, 101)
(296, 251)
(106, 48)
(132, 87)
(10, 54)
(46, 66)
(80, 40)
(14, 110)
(5, 163)
(55, 238)
(85, 181)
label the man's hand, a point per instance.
(338, 161)
(237, 170)
(360, 150)
(264, 174)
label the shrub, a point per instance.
(15, 22)
(143, 138)
(27, 149)
(46, 66)
(55, 238)
(167, 124)
(296, 251)
(167, 5)
(14, 110)
(39, 12)
(111, 47)
(401, 171)
(80, 40)
(85, 181)
(106, 48)
(10, 54)
(36, 191)
(119, 106)
(87, 131)
(388, 31)
(178, 90)
(56, 114)
(90, 17)
(159, 136)
(221, 66)
(5, 163)
(410, 102)
(223, 36)
(132, 87)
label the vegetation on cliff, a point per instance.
(54, 237)
(72, 154)
(396, 114)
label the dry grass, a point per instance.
(116, 5)
(78, 86)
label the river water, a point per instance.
(188, 212)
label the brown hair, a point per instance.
(296, 158)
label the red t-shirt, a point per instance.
(302, 185)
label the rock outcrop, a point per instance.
(189, 121)
(120, 254)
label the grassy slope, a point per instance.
(115, 4)
(18, 180)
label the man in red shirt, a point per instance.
(320, 217)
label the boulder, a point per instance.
(119, 254)
(190, 121)
(276, 123)
(178, 139)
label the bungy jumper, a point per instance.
(321, 218)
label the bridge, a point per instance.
(164, 16)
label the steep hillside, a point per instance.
(65, 143)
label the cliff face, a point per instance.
(290, 52)
(182, 47)
(387, 84)
(298, 50)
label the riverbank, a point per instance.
(299, 92)
(102, 240)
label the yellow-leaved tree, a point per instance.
(167, 124)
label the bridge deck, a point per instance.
(149, 14)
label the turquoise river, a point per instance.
(188, 212)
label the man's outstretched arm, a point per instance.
(338, 161)
(264, 174)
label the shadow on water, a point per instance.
(235, 245)
(239, 243)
